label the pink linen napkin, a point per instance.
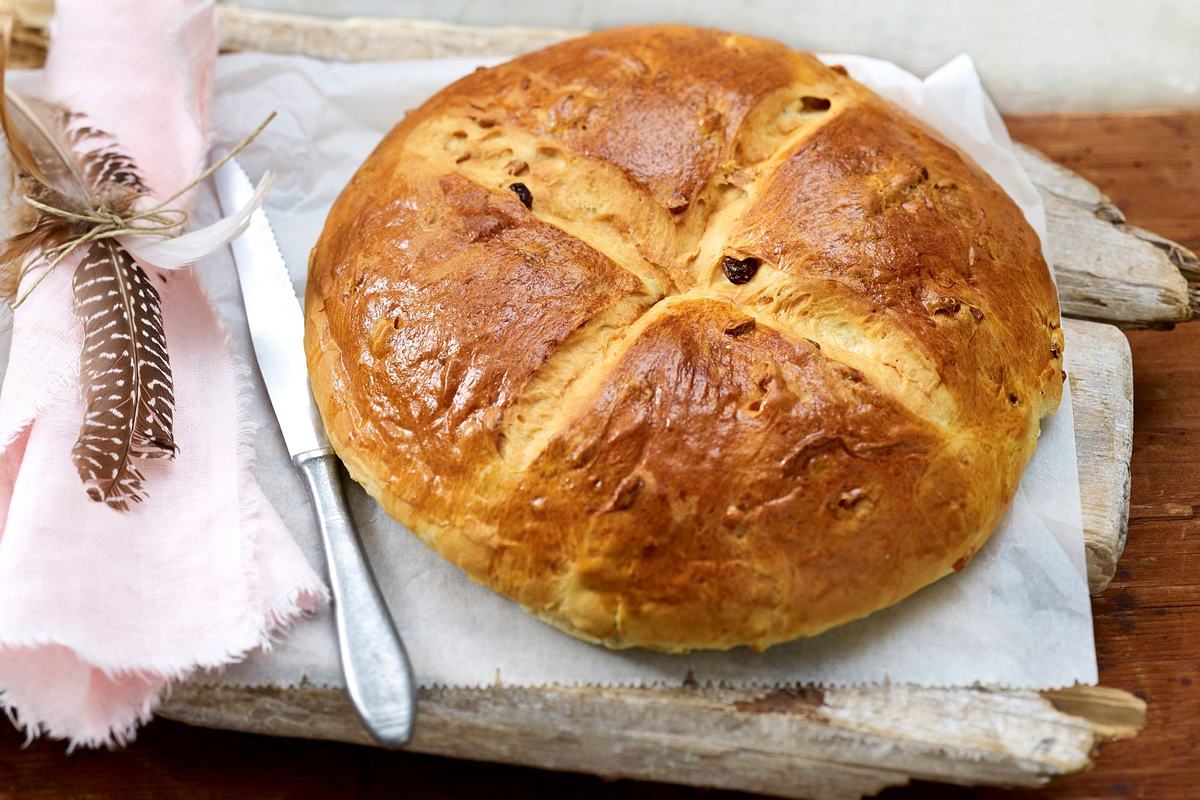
(99, 609)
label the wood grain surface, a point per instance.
(1147, 622)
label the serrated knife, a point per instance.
(378, 676)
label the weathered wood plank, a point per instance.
(373, 39)
(1106, 269)
(830, 745)
(1101, 373)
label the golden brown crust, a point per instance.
(573, 403)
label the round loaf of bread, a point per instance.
(682, 339)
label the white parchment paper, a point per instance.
(1018, 615)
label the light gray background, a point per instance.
(1035, 55)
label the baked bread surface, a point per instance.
(573, 401)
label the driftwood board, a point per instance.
(837, 743)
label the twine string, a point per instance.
(102, 222)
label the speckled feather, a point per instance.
(124, 367)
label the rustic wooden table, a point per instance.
(1147, 622)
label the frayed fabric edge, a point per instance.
(118, 735)
(277, 619)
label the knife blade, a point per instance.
(379, 678)
(274, 316)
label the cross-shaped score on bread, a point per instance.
(682, 339)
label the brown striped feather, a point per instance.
(126, 375)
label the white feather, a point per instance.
(180, 251)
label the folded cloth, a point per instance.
(100, 609)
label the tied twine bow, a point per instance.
(124, 220)
(101, 223)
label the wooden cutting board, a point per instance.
(793, 742)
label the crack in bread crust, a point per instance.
(562, 186)
(846, 332)
(568, 378)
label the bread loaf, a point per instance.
(682, 339)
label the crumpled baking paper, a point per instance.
(1019, 615)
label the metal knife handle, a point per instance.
(378, 675)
